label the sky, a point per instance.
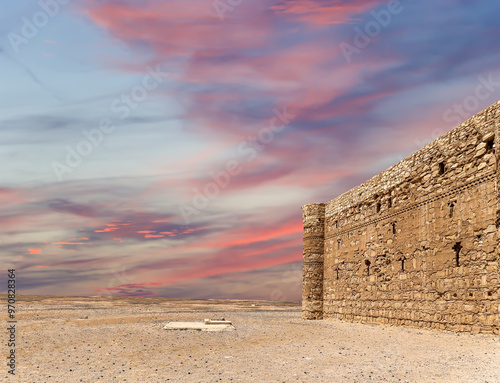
(164, 148)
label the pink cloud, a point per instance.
(13, 196)
(238, 249)
(175, 27)
(253, 235)
(229, 261)
(180, 270)
(71, 243)
(320, 13)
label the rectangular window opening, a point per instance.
(441, 168)
(452, 209)
(367, 263)
(457, 248)
(490, 144)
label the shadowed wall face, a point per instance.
(417, 244)
(314, 238)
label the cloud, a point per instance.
(174, 28)
(324, 12)
(251, 247)
(10, 196)
(64, 206)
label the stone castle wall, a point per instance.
(417, 244)
(313, 216)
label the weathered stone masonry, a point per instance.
(417, 244)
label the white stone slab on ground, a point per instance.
(198, 326)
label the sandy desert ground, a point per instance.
(106, 339)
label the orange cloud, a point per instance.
(107, 229)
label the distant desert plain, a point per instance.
(116, 339)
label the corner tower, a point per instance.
(313, 216)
